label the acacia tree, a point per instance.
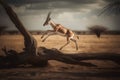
(98, 30)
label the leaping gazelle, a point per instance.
(58, 28)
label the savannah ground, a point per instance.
(105, 70)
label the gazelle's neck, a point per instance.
(52, 24)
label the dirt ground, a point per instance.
(105, 70)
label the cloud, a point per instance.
(110, 0)
(47, 4)
(21, 2)
(73, 14)
(36, 7)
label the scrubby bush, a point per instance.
(97, 29)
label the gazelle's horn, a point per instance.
(48, 15)
(47, 19)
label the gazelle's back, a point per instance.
(61, 29)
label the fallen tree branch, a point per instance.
(54, 54)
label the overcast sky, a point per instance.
(73, 14)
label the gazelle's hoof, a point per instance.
(43, 40)
(77, 49)
(60, 49)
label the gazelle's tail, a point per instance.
(76, 35)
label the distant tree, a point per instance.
(2, 29)
(113, 6)
(97, 29)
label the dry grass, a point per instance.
(87, 43)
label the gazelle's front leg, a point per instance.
(46, 33)
(49, 33)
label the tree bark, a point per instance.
(29, 41)
(54, 54)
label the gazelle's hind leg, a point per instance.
(74, 42)
(68, 41)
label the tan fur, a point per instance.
(61, 29)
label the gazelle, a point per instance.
(58, 28)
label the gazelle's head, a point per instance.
(47, 21)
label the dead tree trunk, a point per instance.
(29, 55)
(29, 41)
